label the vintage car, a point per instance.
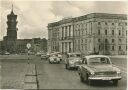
(72, 61)
(43, 56)
(98, 67)
(54, 59)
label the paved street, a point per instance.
(53, 76)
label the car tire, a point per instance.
(66, 66)
(115, 82)
(87, 80)
(81, 78)
(50, 62)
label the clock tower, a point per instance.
(11, 37)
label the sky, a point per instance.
(34, 15)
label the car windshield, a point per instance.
(99, 60)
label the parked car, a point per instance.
(98, 67)
(54, 59)
(72, 61)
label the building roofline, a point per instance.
(88, 16)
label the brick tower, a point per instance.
(11, 37)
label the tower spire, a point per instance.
(12, 7)
(12, 10)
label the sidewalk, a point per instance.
(15, 57)
(12, 75)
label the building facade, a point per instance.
(92, 33)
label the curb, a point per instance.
(30, 80)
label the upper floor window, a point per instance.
(119, 47)
(98, 40)
(112, 32)
(105, 32)
(112, 23)
(99, 32)
(119, 23)
(106, 40)
(126, 23)
(112, 40)
(99, 23)
(106, 23)
(119, 32)
(120, 40)
(113, 48)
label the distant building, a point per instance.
(92, 33)
(11, 44)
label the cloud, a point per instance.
(34, 15)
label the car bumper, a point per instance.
(73, 66)
(105, 78)
(54, 61)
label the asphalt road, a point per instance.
(55, 76)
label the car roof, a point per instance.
(92, 56)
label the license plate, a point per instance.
(107, 78)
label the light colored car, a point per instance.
(73, 62)
(43, 56)
(98, 67)
(54, 59)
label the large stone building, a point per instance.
(92, 33)
(11, 44)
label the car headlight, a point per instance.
(92, 73)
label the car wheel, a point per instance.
(87, 80)
(66, 66)
(49, 62)
(81, 78)
(115, 82)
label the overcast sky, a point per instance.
(34, 16)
